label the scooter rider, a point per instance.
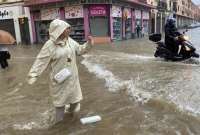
(171, 36)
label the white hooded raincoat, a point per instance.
(57, 53)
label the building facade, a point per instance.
(195, 12)
(15, 18)
(115, 20)
(186, 13)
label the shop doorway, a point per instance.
(145, 27)
(99, 26)
(42, 33)
(138, 28)
(24, 30)
(128, 28)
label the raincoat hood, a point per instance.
(56, 28)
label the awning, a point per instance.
(141, 4)
(38, 2)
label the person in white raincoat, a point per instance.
(59, 52)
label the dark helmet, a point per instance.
(171, 21)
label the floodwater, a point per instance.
(133, 92)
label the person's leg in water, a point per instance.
(75, 107)
(60, 111)
(3, 64)
(72, 109)
(138, 34)
(59, 114)
(6, 63)
(1, 60)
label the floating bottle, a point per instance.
(91, 119)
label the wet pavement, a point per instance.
(133, 92)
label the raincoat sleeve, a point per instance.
(41, 63)
(82, 49)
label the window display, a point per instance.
(74, 16)
(117, 22)
(145, 23)
(77, 31)
(117, 28)
(42, 31)
(146, 27)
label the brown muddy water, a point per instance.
(133, 92)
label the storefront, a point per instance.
(115, 21)
(99, 20)
(84, 21)
(14, 20)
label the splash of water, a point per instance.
(44, 120)
(114, 84)
(27, 126)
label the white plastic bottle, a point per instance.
(91, 119)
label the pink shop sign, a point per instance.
(98, 11)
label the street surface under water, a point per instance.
(133, 92)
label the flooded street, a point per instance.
(133, 92)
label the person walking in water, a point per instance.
(138, 30)
(59, 53)
(4, 56)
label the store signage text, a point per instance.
(98, 11)
(116, 11)
(146, 15)
(49, 14)
(138, 14)
(5, 13)
(74, 12)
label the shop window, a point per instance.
(42, 31)
(117, 28)
(77, 31)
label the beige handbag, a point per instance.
(62, 75)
